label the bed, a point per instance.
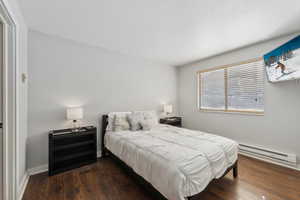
(178, 163)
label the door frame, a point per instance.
(10, 182)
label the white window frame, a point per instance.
(226, 110)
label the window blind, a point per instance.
(213, 90)
(233, 88)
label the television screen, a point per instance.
(283, 63)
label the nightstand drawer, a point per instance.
(72, 139)
(173, 121)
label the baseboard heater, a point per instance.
(285, 158)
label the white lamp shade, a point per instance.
(74, 113)
(168, 108)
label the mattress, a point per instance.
(177, 162)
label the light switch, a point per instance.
(24, 77)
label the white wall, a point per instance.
(278, 129)
(21, 62)
(64, 73)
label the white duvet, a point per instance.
(177, 162)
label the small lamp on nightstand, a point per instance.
(75, 114)
(168, 109)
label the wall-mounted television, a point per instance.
(283, 63)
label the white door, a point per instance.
(1, 113)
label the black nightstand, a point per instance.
(174, 121)
(69, 150)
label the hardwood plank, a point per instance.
(55, 188)
(106, 180)
(72, 188)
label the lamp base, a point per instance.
(75, 127)
(167, 115)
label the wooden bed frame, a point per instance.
(105, 152)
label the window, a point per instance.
(233, 88)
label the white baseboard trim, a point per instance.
(37, 170)
(22, 186)
(99, 154)
(269, 161)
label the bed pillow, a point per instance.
(147, 124)
(142, 120)
(151, 117)
(121, 123)
(111, 118)
(135, 119)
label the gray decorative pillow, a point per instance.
(135, 119)
(121, 123)
(142, 120)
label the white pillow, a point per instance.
(111, 118)
(151, 117)
(121, 123)
(147, 124)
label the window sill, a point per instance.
(240, 112)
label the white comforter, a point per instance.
(177, 162)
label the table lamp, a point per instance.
(75, 114)
(168, 109)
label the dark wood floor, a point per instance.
(105, 180)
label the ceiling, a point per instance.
(172, 32)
